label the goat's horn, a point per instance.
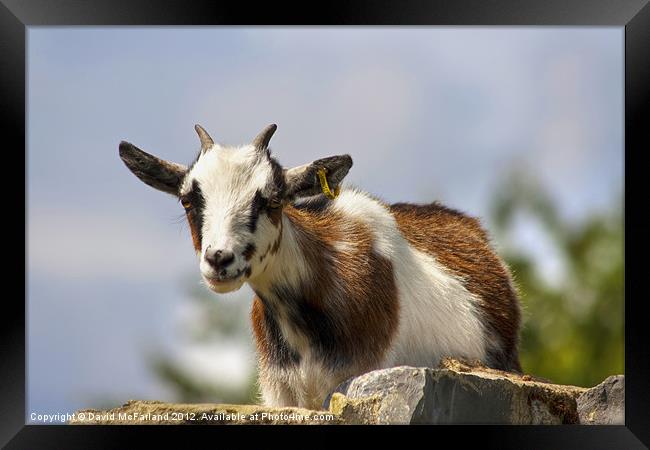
(206, 140)
(261, 142)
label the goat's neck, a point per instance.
(289, 265)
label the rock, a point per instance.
(604, 404)
(458, 392)
(143, 412)
(455, 394)
(383, 397)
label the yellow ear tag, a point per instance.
(325, 187)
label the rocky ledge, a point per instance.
(456, 393)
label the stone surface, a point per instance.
(604, 404)
(458, 392)
(386, 396)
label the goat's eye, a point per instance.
(186, 203)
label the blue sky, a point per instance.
(427, 114)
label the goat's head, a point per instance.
(233, 198)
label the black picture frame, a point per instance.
(634, 15)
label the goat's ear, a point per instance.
(303, 181)
(160, 174)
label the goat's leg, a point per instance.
(275, 390)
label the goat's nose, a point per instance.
(219, 259)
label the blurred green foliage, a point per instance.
(217, 321)
(573, 330)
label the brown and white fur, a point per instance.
(342, 286)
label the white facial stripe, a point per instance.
(229, 179)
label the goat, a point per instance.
(345, 283)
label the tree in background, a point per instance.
(216, 322)
(573, 329)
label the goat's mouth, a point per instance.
(225, 283)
